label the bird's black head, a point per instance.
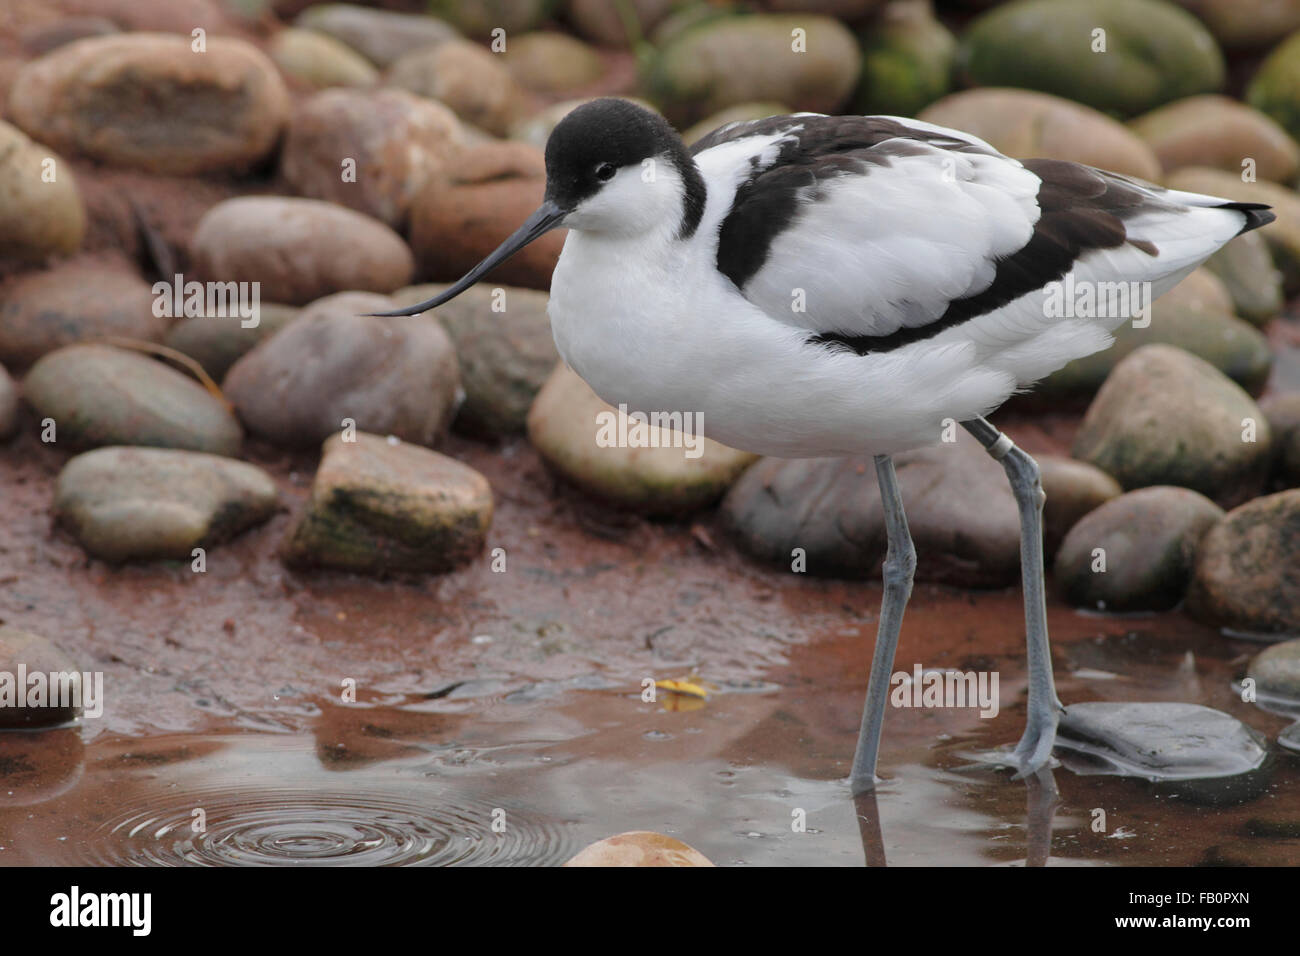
(612, 167)
(597, 140)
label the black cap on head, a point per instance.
(596, 140)
(584, 152)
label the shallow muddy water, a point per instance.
(499, 717)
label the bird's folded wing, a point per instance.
(879, 231)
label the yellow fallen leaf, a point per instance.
(682, 687)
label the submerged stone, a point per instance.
(1162, 741)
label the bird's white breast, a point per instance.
(640, 317)
(621, 316)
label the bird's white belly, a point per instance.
(659, 340)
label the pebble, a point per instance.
(907, 60)
(1276, 671)
(1275, 87)
(602, 23)
(148, 101)
(381, 36)
(37, 218)
(378, 506)
(504, 348)
(334, 363)
(479, 18)
(823, 515)
(494, 189)
(577, 435)
(1135, 552)
(552, 62)
(1166, 417)
(1026, 124)
(1154, 52)
(369, 150)
(1073, 489)
(1160, 741)
(141, 504)
(298, 250)
(639, 848)
(1245, 267)
(100, 395)
(36, 655)
(44, 311)
(1247, 24)
(217, 343)
(740, 59)
(1245, 579)
(465, 78)
(1216, 131)
(318, 60)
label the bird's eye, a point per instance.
(605, 172)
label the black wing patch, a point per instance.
(818, 148)
(1081, 210)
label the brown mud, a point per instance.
(515, 696)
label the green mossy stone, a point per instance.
(907, 60)
(381, 505)
(740, 59)
(1275, 88)
(1154, 52)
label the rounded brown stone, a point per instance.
(298, 249)
(150, 101)
(74, 302)
(369, 150)
(1245, 568)
(1135, 552)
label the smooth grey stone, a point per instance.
(1162, 741)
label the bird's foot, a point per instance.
(1035, 747)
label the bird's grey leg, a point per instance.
(1035, 746)
(900, 563)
